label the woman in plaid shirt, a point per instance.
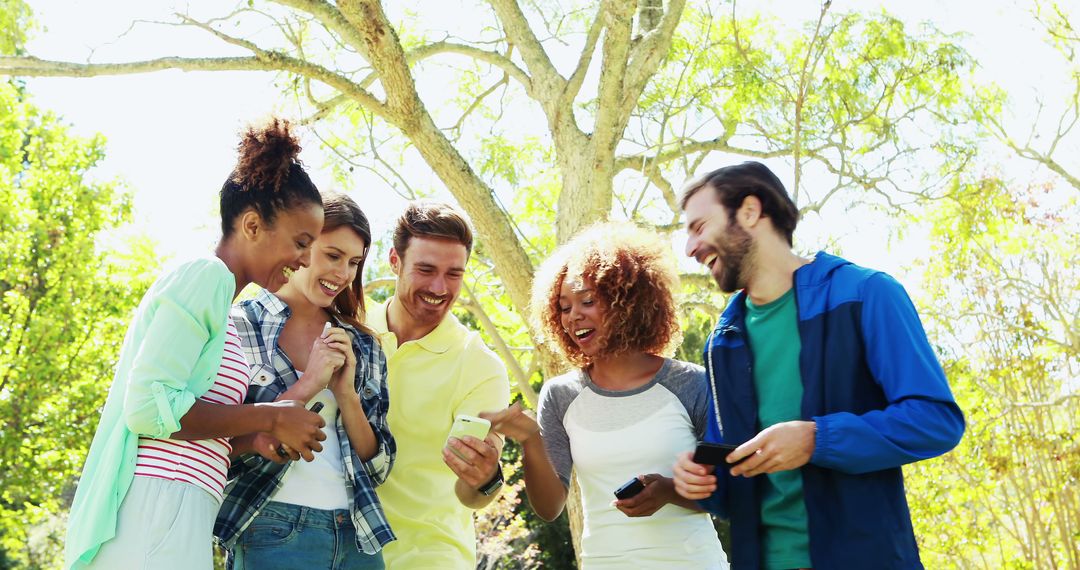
(308, 342)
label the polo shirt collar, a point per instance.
(439, 340)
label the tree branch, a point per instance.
(520, 378)
(641, 163)
(330, 16)
(406, 112)
(487, 56)
(547, 82)
(573, 85)
(646, 56)
(264, 61)
(426, 51)
(610, 122)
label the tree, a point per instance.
(64, 305)
(1046, 140)
(629, 96)
(848, 86)
(1004, 309)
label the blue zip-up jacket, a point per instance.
(879, 398)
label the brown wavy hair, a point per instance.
(340, 210)
(633, 274)
(431, 220)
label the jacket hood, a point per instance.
(816, 272)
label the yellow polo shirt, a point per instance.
(448, 372)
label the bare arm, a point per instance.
(286, 420)
(546, 491)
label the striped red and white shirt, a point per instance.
(202, 462)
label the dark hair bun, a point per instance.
(267, 151)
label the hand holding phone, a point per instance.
(715, 454)
(316, 408)
(464, 425)
(629, 489)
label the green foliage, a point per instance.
(849, 100)
(697, 327)
(15, 22)
(64, 306)
(1004, 297)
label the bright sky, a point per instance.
(171, 135)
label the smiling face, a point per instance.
(717, 242)
(429, 277)
(336, 256)
(581, 313)
(280, 249)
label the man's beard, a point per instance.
(735, 257)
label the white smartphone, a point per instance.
(468, 425)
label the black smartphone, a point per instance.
(629, 489)
(715, 454)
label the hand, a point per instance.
(780, 447)
(658, 491)
(327, 357)
(479, 458)
(266, 445)
(342, 380)
(514, 422)
(693, 481)
(298, 429)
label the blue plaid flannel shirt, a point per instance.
(253, 479)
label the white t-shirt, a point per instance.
(319, 484)
(610, 437)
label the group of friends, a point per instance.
(303, 429)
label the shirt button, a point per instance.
(369, 392)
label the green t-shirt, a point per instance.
(774, 341)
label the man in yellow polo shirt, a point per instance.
(437, 369)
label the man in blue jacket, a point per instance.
(820, 370)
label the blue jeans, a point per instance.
(291, 537)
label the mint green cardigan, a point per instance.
(171, 355)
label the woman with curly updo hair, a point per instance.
(605, 301)
(154, 477)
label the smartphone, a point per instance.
(715, 454)
(468, 425)
(629, 489)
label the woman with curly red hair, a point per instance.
(605, 301)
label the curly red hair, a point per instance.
(633, 274)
